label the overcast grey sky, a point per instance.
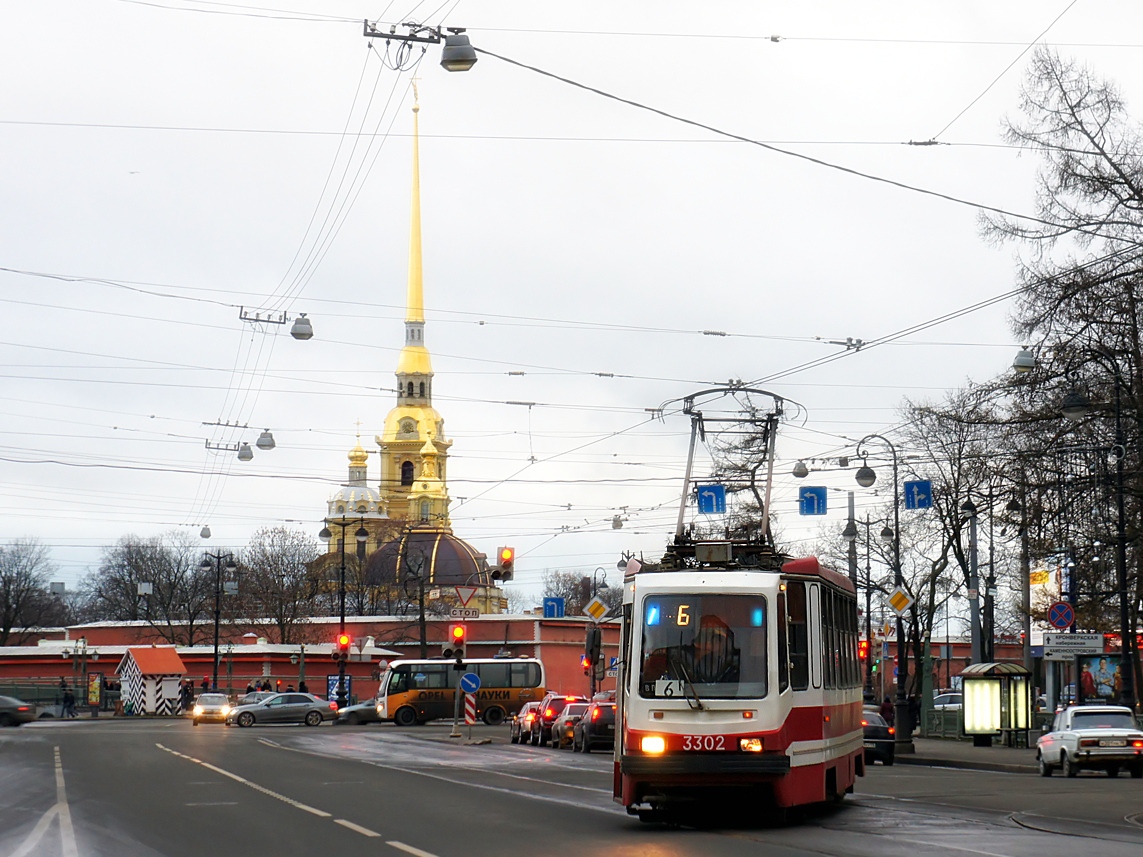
(166, 163)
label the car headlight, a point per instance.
(225, 710)
(197, 710)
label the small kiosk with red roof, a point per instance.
(150, 678)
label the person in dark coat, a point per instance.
(887, 712)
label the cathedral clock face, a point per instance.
(408, 427)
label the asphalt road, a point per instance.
(155, 787)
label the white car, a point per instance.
(948, 702)
(1095, 737)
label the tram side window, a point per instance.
(783, 647)
(799, 635)
(829, 640)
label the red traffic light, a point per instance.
(456, 633)
(863, 649)
(585, 662)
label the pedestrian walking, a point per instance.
(303, 687)
(69, 704)
(887, 712)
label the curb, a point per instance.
(967, 765)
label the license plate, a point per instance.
(1119, 743)
(706, 743)
(869, 745)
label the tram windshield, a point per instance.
(703, 647)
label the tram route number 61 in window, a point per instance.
(704, 742)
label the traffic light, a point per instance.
(454, 646)
(863, 649)
(585, 662)
(505, 561)
(343, 641)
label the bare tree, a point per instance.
(24, 598)
(278, 587)
(179, 609)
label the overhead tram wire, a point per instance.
(1007, 68)
(1094, 232)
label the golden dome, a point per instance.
(358, 457)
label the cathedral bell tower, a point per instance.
(414, 450)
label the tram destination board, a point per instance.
(1064, 647)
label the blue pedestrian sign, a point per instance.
(711, 499)
(470, 682)
(919, 494)
(1061, 615)
(553, 608)
(811, 500)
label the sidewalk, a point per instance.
(950, 753)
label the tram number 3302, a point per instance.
(704, 742)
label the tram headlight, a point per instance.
(653, 745)
(750, 745)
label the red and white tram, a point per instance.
(739, 678)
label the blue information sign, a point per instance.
(331, 687)
(811, 500)
(919, 494)
(711, 499)
(470, 682)
(553, 608)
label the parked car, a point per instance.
(14, 712)
(948, 702)
(550, 707)
(363, 712)
(563, 726)
(879, 738)
(211, 708)
(1093, 737)
(520, 726)
(595, 729)
(284, 708)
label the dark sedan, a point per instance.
(363, 712)
(879, 738)
(284, 708)
(596, 729)
(14, 711)
(520, 727)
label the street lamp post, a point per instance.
(231, 566)
(362, 536)
(1074, 407)
(865, 478)
(850, 535)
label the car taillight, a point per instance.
(595, 714)
(29, 708)
(549, 713)
(1136, 744)
(864, 722)
(333, 706)
(892, 731)
(1089, 742)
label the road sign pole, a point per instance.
(456, 709)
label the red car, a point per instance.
(550, 708)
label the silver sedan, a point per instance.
(284, 708)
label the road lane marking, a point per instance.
(320, 813)
(58, 811)
(357, 828)
(37, 833)
(409, 849)
(67, 831)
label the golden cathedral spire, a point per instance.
(414, 451)
(415, 302)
